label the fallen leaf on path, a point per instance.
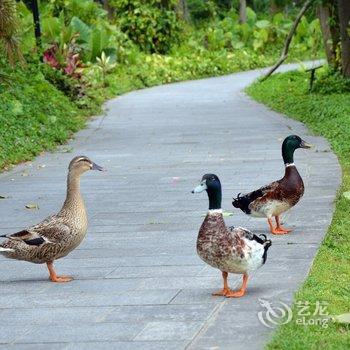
(347, 195)
(175, 179)
(32, 206)
(344, 318)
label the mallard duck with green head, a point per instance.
(229, 249)
(279, 196)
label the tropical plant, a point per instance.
(9, 28)
(153, 26)
(105, 65)
(88, 11)
(261, 35)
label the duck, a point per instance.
(229, 249)
(59, 234)
(279, 196)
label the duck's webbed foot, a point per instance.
(241, 292)
(226, 290)
(223, 292)
(54, 277)
(278, 230)
(279, 227)
(61, 279)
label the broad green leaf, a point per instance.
(98, 42)
(82, 28)
(51, 28)
(238, 45)
(263, 23)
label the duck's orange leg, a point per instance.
(223, 292)
(279, 227)
(278, 230)
(54, 277)
(241, 292)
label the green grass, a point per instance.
(34, 116)
(329, 279)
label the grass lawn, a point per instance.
(326, 113)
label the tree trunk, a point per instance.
(242, 11)
(344, 19)
(329, 31)
(183, 10)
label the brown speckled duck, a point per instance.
(279, 196)
(229, 249)
(57, 235)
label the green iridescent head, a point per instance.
(211, 184)
(289, 145)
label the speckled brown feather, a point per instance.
(222, 247)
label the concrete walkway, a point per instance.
(138, 281)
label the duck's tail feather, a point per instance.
(3, 249)
(242, 202)
(267, 244)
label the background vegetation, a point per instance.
(92, 50)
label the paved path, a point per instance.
(139, 283)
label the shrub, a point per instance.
(87, 10)
(151, 26)
(330, 82)
(201, 9)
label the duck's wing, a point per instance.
(28, 237)
(244, 202)
(244, 240)
(48, 231)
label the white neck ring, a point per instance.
(215, 211)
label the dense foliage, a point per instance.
(34, 116)
(91, 53)
(153, 27)
(326, 111)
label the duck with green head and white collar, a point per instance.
(279, 196)
(229, 249)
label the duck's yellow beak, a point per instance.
(304, 144)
